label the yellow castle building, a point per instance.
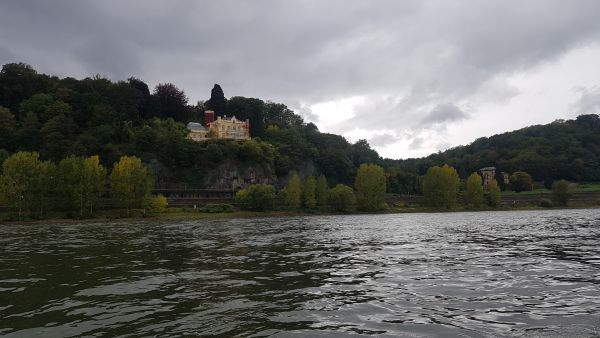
(221, 128)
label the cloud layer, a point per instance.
(420, 67)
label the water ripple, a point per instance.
(486, 274)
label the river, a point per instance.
(480, 274)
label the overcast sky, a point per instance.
(411, 77)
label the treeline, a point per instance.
(443, 189)
(313, 193)
(59, 117)
(564, 149)
(31, 188)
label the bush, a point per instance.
(217, 208)
(545, 203)
(341, 198)
(258, 197)
(157, 204)
(521, 181)
(561, 192)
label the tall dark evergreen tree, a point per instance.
(217, 102)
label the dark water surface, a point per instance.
(487, 274)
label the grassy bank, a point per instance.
(180, 214)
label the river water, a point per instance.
(484, 274)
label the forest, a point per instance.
(59, 117)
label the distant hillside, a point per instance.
(559, 150)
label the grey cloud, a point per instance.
(445, 112)
(588, 102)
(404, 56)
(383, 140)
(416, 143)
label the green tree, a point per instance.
(309, 199)
(440, 186)
(170, 101)
(58, 135)
(8, 127)
(521, 181)
(47, 185)
(493, 194)
(293, 191)
(474, 191)
(321, 191)
(19, 181)
(370, 187)
(257, 197)
(341, 198)
(130, 183)
(561, 192)
(217, 101)
(71, 183)
(94, 176)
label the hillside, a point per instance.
(560, 150)
(58, 117)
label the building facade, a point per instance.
(488, 174)
(221, 128)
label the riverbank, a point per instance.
(179, 214)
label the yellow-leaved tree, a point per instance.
(293, 191)
(474, 191)
(130, 183)
(440, 186)
(370, 187)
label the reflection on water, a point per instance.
(485, 274)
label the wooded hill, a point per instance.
(58, 117)
(563, 149)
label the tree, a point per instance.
(440, 186)
(474, 190)
(19, 181)
(341, 198)
(293, 191)
(58, 135)
(71, 183)
(217, 101)
(249, 108)
(370, 187)
(561, 192)
(521, 181)
(309, 199)
(257, 197)
(47, 183)
(8, 127)
(171, 102)
(321, 191)
(130, 183)
(94, 175)
(493, 193)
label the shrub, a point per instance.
(561, 192)
(258, 197)
(521, 181)
(545, 203)
(157, 204)
(341, 198)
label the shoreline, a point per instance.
(190, 215)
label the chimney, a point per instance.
(209, 117)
